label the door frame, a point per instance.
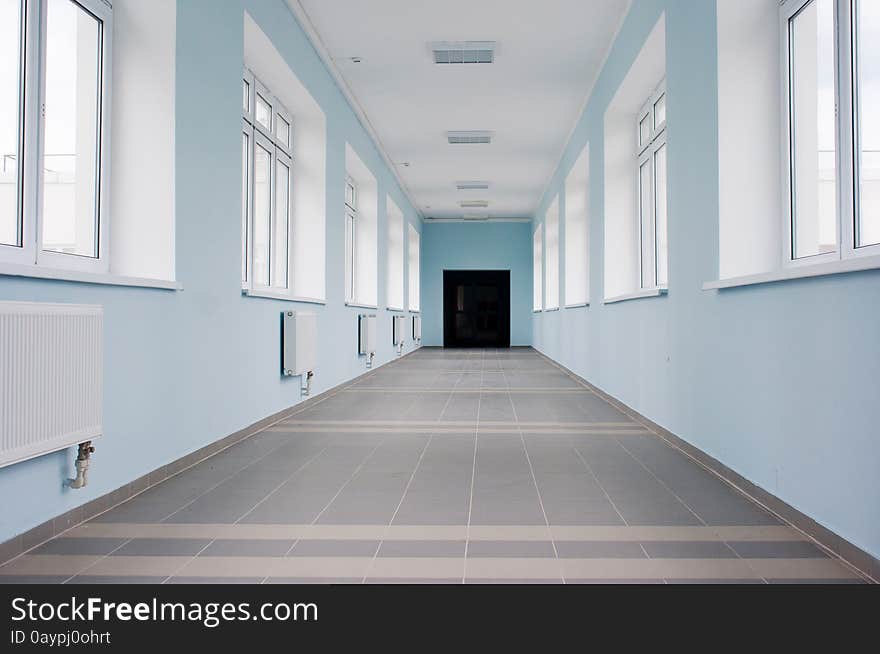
(502, 278)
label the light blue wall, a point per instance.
(779, 381)
(477, 246)
(183, 369)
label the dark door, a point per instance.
(476, 308)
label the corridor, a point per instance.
(445, 466)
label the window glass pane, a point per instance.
(245, 195)
(10, 85)
(646, 225)
(814, 171)
(246, 96)
(349, 257)
(660, 212)
(644, 131)
(283, 131)
(262, 213)
(263, 112)
(282, 225)
(660, 111)
(868, 35)
(72, 130)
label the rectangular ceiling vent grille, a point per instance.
(472, 186)
(463, 52)
(474, 204)
(458, 138)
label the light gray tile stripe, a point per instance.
(414, 567)
(409, 390)
(637, 533)
(403, 427)
(463, 423)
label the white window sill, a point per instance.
(577, 305)
(279, 295)
(41, 272)
(548, 309)
(637, 295)
(537, 311)
(361, 306)
(817, 270)
(394, 309)
(415, 311)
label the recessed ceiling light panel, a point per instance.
(474, 204)
(469, 137)
(472, 186)
(463, 52)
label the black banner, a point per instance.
(127, 618)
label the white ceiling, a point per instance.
(547, 57)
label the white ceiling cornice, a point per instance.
(308, 27)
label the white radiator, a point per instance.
(51, 377)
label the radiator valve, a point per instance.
(82, 465)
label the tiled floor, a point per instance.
(446, 466)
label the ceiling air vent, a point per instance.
(469, 137)
(472, 186)
(463, 52)
(474, 204)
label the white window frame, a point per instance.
(647, 155)
(846, 137)
(350, 240)
(32, 100)
(281, 152)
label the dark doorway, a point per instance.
(476, 308)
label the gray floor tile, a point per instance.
(513, 582)
(615, 582)
(599, 550)
(79, 546)
(417, 582)
(32, 579)
(516, 549)
(243, 547)
(314, 580)
(781, 549)
(422, 548)
(688, 550)
(221, 581)
(335, 548)
(162, 547)
(120, 580)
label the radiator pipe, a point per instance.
(308, 388)
(82, 465)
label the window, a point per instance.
(577, 232)
(54, 132)
(414, 253)
(395, 272)
(266, 188)
(551, 228)
(351, 193)
(831, 91)
(652, 191)
(538, 268)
